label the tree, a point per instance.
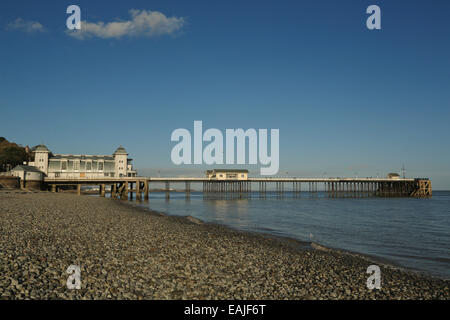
(11, 154)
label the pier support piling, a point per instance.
(138, 190)
(102, 190)
(146, 190)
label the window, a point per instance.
(88, 165)
(63, 165)
(76, 165)
(100, 166)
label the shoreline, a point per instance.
(298, 244)
(126, 251)
(309, 245)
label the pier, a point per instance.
(122, 188)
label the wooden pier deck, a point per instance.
(333, 187)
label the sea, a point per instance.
(406, 232)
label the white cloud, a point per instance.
(142, 23)
(26, 26)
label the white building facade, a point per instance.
(227, 174)
(27, 173)
(83, 166)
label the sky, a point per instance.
(348, 101)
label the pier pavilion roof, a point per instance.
(120, 150)
(228, 170)
(81, 157)
(41, 148)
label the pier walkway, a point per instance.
(333, 187)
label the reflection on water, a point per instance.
(229, 211)
(414, 233)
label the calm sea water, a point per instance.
(413, 233)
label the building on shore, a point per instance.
(227, 174)
(82, 166)
(30, 177)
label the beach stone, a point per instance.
(129, 252)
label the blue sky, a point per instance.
(347, 100)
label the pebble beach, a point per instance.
(129, 252)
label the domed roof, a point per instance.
(41, 148)
(120, 150)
